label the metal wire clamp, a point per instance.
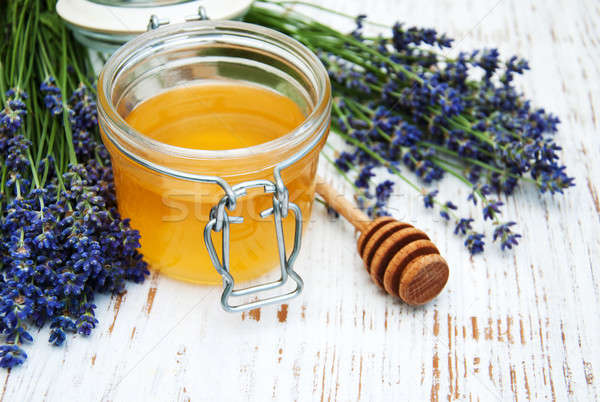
(220, 222)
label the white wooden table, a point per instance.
(517, 325)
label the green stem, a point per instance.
(2, 85)
(322, 8)
(474, 161)
(67, 124)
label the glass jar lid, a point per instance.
(106, 25)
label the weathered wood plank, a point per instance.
(519, 325)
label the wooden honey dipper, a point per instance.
(399, 257)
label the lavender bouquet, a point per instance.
(61, 238)
(401, 104)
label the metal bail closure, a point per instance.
(156, 22)
(220, 221)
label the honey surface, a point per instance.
(171, 214)
(216, 116)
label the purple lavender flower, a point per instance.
(364, 177)
(463, 226)
(16, 159)
(52, 96)
(357, 32)
(475, 243)
(450, 205)
(487, 59)
(57, 337)
(504, 233)
(429, 198)
(402, 38)
(407, 135)
(60, 326)
(86, 321)
(11, 356)
(383, 191)
(491, 208)
(84, 114)
(11, 117)
(345, 161)
(444, 211)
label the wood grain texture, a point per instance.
(518, 325)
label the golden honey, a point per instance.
(185, 107)
(171, 220)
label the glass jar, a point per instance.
(161, 187)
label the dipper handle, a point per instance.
(341, 204)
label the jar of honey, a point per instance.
(214, 131)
